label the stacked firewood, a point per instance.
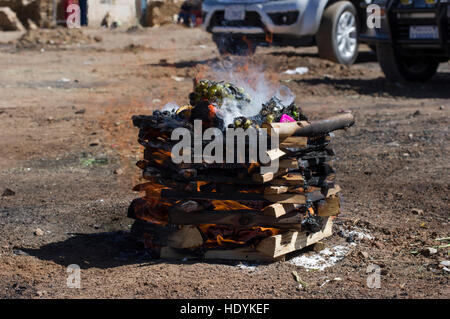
(238, 210)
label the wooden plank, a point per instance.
(291, 163)
(244, 253)
(225, 179)
(294, 142)
(199, 166)
(330, 207)
(142, 187)
(295, 198)
(294, 179)
(177, 195)
(188, 206)
(282, 244)
(186, 237)
(263, 178)
(309, 190)
(278, 210)
(236, 218)
(241, 254)
(276, 189)
(275, 154)
(267, 177)
(286, 198)
(333, 191)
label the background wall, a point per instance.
(120, 10)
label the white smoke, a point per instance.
(252, 79)
(285, 95)
(170, 107)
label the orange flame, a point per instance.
(222, 241)
(269, 37)
(160, 156)
(151, 210)
(228, 205)
(249, 44)
(223, 236)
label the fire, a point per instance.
(205, 106)
(226, 236)
(160, 156)
(212, 110)
(269, 37)
(249, 45)
(151, 189)
(200, 184)
(149, 209)
(220, 241)
(228, 205)
(252, 167)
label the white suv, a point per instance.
(238, 26)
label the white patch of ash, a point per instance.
(299, 70)
(247, 267)
(170, 107)
(323, 259)
(356, 233)
(330, 256)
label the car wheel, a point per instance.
(234, 45)
(337, 37)
(399, 68)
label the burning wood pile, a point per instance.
(241, 209)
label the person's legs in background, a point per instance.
(193, 19)
(183, 16)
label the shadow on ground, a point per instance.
(103, 250)
(436, 88)
(184, 64)
(100, 250)
(363, 56)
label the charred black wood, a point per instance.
(236, 218)
(171, 194)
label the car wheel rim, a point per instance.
(346, 35)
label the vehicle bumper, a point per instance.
(396, 25)
(276, 17)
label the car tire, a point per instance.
(234, 45)
(335, 39)
(399, 68)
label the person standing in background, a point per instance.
(186, 14)
(83, 12)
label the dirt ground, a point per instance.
(68, 151)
